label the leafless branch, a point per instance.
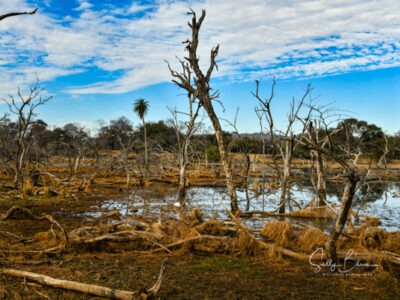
(12, 14)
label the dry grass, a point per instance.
(27, 189)
(379, 239)
(46, 239)
(311, 239)
(323, 212)
(281, 232)
(248, 246)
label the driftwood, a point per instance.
(91, 289)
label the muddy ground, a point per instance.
(189, 275)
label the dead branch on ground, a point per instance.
(91, 289)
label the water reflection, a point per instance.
(377, 200)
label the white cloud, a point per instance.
(257, 38)
(135, 8)
(84, 5)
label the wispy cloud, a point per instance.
(257, 38)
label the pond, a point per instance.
(378, 200)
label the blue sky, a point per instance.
(97, 57)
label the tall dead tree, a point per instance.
(24, 108)
(199, 87)
(24, 122)
(284, 142)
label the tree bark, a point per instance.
(225, 157)
(346, 202)
(320, 185)
(287, 167)
(146, 161)
(182, 175)
(321, 182)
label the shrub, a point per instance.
(212, 153)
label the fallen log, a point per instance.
(91, 289)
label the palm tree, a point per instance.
(141, 107)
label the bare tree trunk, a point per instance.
(246, 180)
(20, 166)
(225, 158)
(346, 202)
(146, 160)
(321, 182)
(287, 168)
(382, 159)
(77, 161)
(182, 177)
(23, 147)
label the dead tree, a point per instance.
(260, 116)
(283, 143)
(245, 150)
(13, 14)
(319, 182)
(24, 108)
(383, 158)
(347, 157)
(199, 87)
(126, 147)
(183, 138)
(76, 143)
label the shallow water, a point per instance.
(378, 201)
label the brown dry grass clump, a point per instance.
(323, 212)
(27, 189)
(379, 239)
(46, 239)
(248, 246)
(288, 235)
(281, 232)
(311, 239)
